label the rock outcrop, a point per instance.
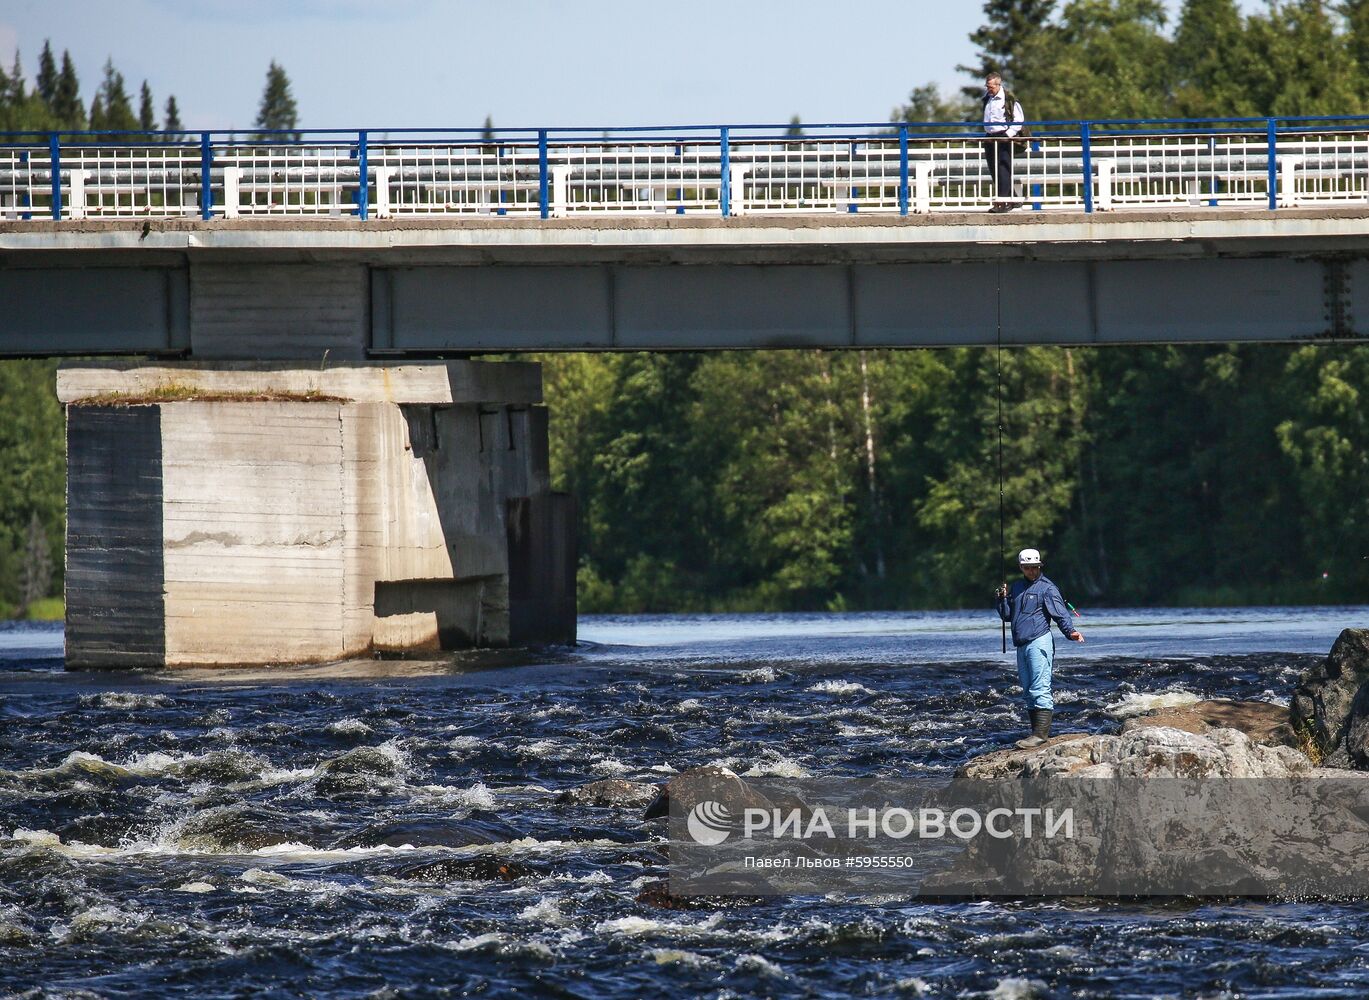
(1142, 752)
(610, 792)
(1330, 708)
(1261, 721)
(1160, 811)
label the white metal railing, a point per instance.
(730, 171)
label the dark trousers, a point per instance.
(998, 157)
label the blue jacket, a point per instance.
(1031, 607)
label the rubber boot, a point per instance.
(1041, 729)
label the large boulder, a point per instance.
(610, 792)
(1324, 701)
(1261, 721)
(1161, 811)
(1142, 752)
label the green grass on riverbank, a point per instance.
(49, 609)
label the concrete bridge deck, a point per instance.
(252, 289)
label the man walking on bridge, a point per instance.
(1031, 606)
(1002, 121)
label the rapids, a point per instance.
(393, 829)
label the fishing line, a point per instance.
(998, 389)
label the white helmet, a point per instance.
(1029, 557)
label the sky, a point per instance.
(381, 64)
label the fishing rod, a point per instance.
(998, 391)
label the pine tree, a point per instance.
(147, 116)
(118, 107)
(488, 134)
(277, 109)
(37, 570)
(47, 75)
(16, 88)
(172, 115)
(795, 128)
(66, 100)
(97, 113)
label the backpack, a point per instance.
(1009, 108)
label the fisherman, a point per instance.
(1031, 606)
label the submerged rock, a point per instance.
(610, 792)
(101, 830)
(1327, 699)
(708, 783)
(480, 869)
(430, 832)
(241, 829)
(657, 893)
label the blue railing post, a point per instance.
(1035, 147)
(55, 160)
(542, 185)
(725, 167)
(1088, 166)
(903, 170)
(363, 179)
(206, 177)
(1273, 165)
(853, 192)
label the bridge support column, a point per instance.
(250, 514)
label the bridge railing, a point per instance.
(881, 168)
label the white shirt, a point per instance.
(995, 115)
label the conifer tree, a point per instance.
(47, 75)
(16, 88)
(37, 568)
(116, 106)
(97, 113)
(277, 109)
(488, 134)
(147, 116)
(795, 129)
(172, 122)
(66, 100)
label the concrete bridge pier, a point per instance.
(270, 514)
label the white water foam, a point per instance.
(1017, 988)
(748, 962)
(840, 687)
(349, 727)
(780, 767)
(1138, 704)
(123, 700)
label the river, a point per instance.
(217, 833)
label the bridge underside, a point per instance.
(295, 289)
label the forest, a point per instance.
(814, 480)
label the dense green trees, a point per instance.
(809, 480)
(32, 482)
(54, 102)
(866, 479)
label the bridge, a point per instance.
(412, 244)
(310, 467)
